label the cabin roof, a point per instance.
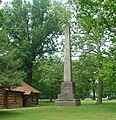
(27, 89)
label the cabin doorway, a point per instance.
(24, 101)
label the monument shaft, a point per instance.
(66, 98)
(67, 56)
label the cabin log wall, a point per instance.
(2, 95)
(32, 100)
(14, 99)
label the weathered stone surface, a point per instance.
(67, 87)
(67, 56)
(66, 91)
(67, 97)
(66, 102)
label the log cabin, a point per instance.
(2, 92)
(21, 96)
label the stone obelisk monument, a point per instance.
(67, 97)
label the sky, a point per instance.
(7, 1)
(63, 1)
(31, 0)
(10, 0)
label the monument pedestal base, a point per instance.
(67, 102)
(66, 98)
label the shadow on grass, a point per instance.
(46, 103)
(6, 114)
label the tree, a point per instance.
(108, 72)
(48, 75)
(32, 30)
(91, 21)
(84, 71)
(10, 75)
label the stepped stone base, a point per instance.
(67, 102)
(66, 98)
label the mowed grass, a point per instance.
(48, 111)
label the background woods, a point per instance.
(29, 45)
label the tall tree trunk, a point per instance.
(100, 82)
(50, 97)
(93, 82)
(100, 87)
(100, 91)
(29, 72)
(93, 93)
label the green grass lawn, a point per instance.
(47, 111)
